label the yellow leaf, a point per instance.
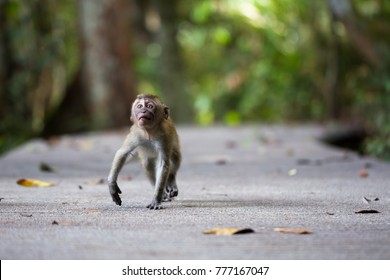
(228, 231)
(33, 183)
(294, 230)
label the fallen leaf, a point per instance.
(290, 152)
(53, 140)
(303, 161)
(95, 181)
(363, 173)
(367, 211)
(220, 162)
(80, 187)
(231, 144)
(126, 178)
(82, 145)
(26, 215)
(228, 231)
(33, 183)
(62, 223)
(368, 200)
(94, 212)
(45, 167)
(292, 172)
(367, 165)
(330, 213)
(294, 230)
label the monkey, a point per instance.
(153, 137)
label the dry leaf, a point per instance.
(363, 173)
(26, 215)
(294, 230)
(290, 152)
(303, 161)
(330, 213)
(95, 181)
(220, 161)
(94, 212)
(45, 167)
(369, 211)
(126, 178)
(228, 231)
(53, 140)
(292, 172)
(368, 200)
(83, 145)
(231, 144)
(62, 223)
(33, 183)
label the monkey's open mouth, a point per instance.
(144, 117)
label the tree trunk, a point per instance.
(107, 75)
(333, 73)
(171, 72)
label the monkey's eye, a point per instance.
(139, 106)
(150, 106)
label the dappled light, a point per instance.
(74, 66)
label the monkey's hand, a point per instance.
(155, 205)
(115, 191)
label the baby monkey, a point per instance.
(154, 138)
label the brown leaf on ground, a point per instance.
(95, 181)
(53, 140)
(363, 173)
(45, 167)
(294, 230)
(228, 231)
(367, 211)
(62, 223)
(34, 183)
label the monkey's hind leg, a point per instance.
(171, 190)
(150, 170)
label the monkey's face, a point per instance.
(144, 112)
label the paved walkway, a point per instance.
(260, 177)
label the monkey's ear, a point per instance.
(166, 112)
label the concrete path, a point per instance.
(261, 177)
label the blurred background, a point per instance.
(74, 66)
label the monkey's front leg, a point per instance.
(161, 181)
(117, 164)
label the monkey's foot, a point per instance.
(170, 193)
(155, 205)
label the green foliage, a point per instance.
(253, 58)
(245, 61)
(39, 54)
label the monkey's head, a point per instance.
(148, 111)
